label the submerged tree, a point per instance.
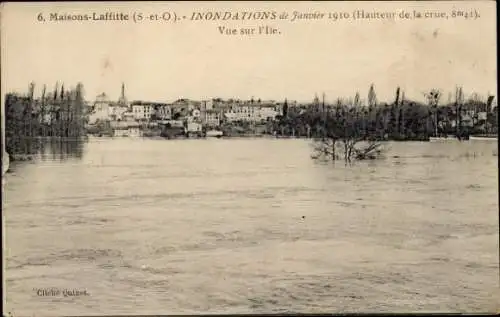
(345, 135)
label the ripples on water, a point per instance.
(252, 226)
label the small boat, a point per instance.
(214, 133)
(443, 139)
(483, 138)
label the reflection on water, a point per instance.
(46, 148)
(253, 226)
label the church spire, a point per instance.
(122, 101)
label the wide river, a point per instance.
(251, 226)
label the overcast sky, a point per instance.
(164, 61)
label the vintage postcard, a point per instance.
(249, 157)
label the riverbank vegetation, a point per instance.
(401, 120)
(58, 114)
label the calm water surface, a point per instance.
(252, 226)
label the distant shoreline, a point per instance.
(239, 136)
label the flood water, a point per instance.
(252, 226)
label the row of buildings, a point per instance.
(210, 113)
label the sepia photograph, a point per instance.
(249, 157)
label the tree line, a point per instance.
(61, 113)
(400, 120)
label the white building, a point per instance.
(212, 118)
(193, 127)
(142, 111)
(269, 113)
(250, 113)
(123, 129)
(104, 109)
(240, 113)
(101, 109)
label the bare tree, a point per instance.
(344, 136)
(433, 97)
(357, 100)
(372, 97)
